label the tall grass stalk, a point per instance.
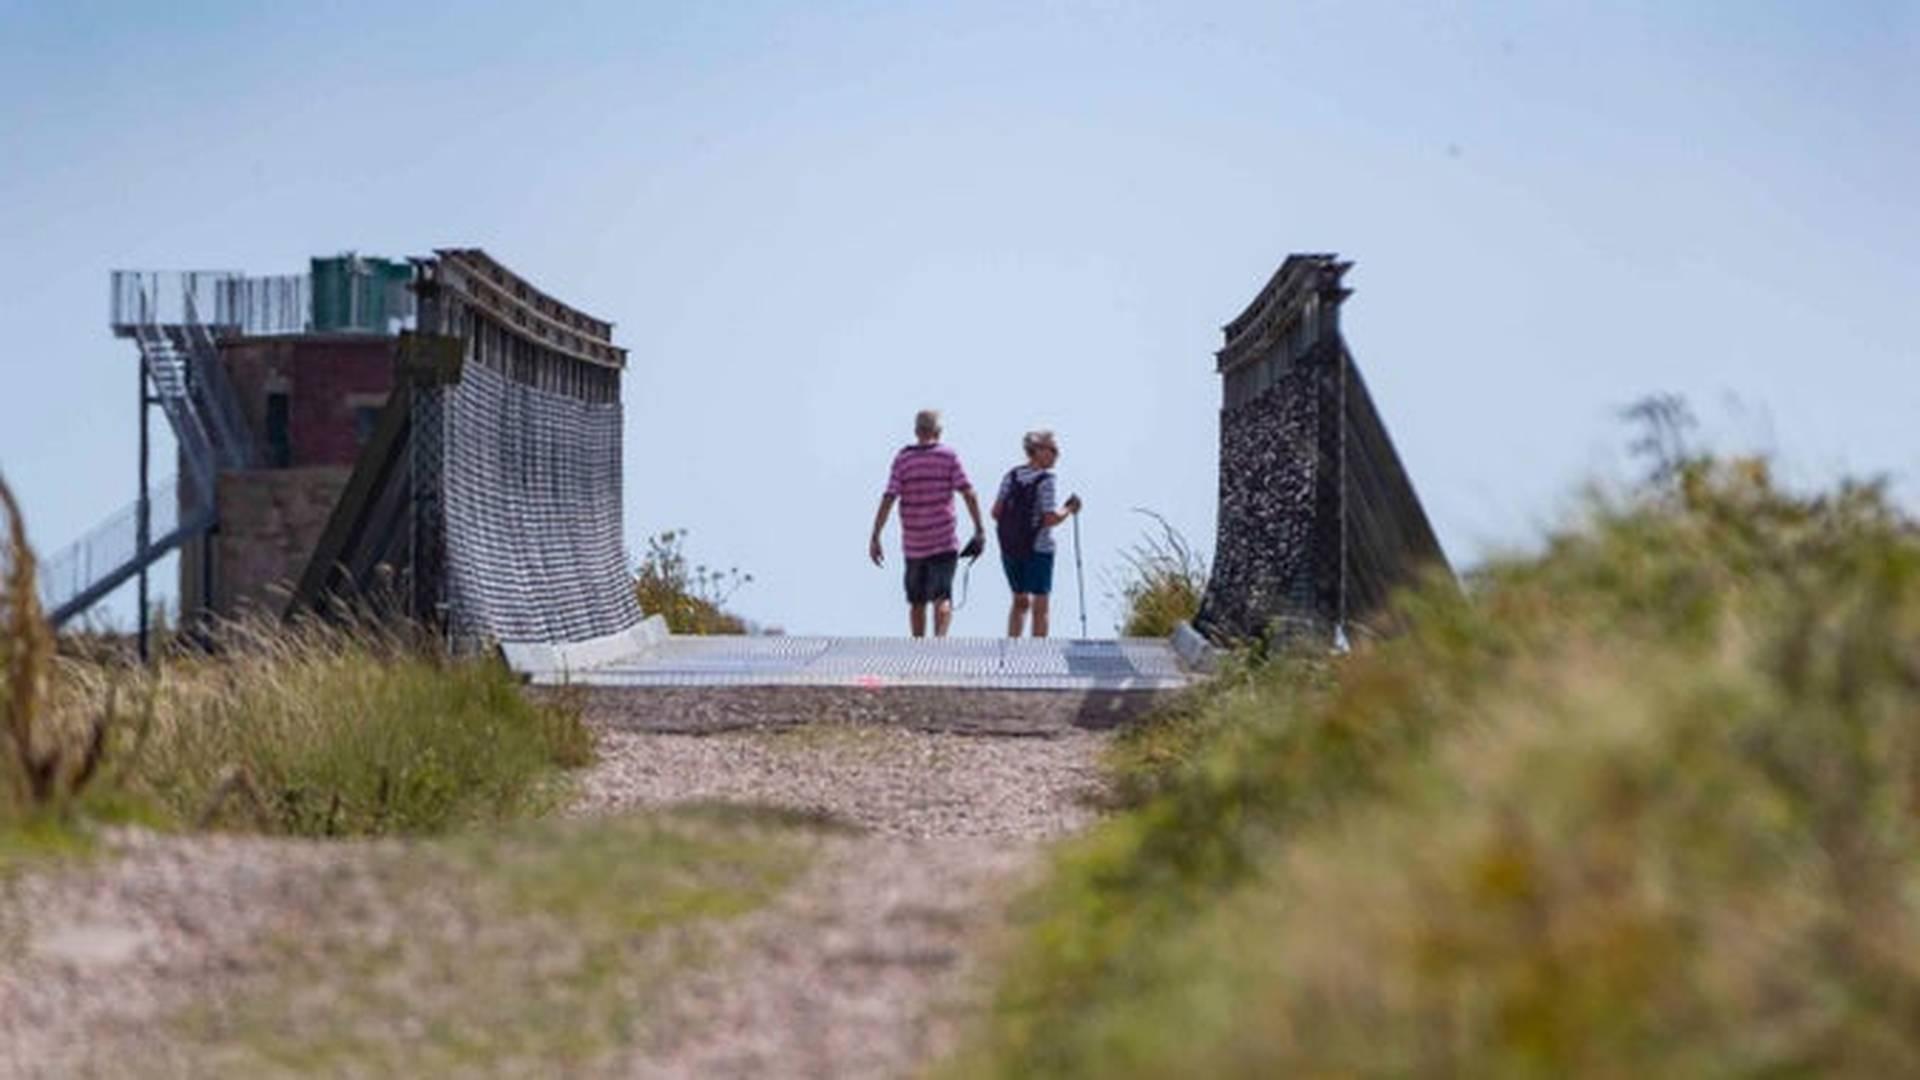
(1163, 581)
(43, 769)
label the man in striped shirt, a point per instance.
(924, 480)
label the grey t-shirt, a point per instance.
(1044, 500)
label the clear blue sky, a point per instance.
(808, 220)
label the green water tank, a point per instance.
(358, 294)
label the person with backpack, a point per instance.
(925, 477)
(1024, 514)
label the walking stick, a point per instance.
(1080, 576)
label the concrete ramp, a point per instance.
(664, 682)
(873, 663)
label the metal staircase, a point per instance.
(176, 319)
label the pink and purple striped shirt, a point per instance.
(925, 478)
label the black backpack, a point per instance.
(1019, 522)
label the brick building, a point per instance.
(310, 402)
(433, 432)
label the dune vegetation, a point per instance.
(1161, 583)
(690, 596)
(1641, 804)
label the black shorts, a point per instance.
(930, 580)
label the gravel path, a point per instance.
(869, 966)
(900, 783)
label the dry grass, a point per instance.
(47, 765)
(1648, 804)
(312, 730)
(308, 730)
(1163, 583)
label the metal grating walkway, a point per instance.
(960, 663)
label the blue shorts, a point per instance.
(1032, 574)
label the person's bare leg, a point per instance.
(917, 619)
(942, 617)
(1041, 603)
(1017, 615)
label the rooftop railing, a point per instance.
(231, 303)
(142, 298)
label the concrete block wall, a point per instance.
(270, 521)
(272, 518)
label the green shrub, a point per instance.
(1642, 805)
(690, 597)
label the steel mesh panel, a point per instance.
(426, 464)
(531, 491)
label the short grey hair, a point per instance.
(926, 422)
(1038, 439)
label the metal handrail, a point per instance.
(110, 552)
(234, 444)
(168, 373)
(161, 297)
(268, 306)
(223, 301)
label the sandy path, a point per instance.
(95, 956)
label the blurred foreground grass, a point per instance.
(1642, 805)
(544, 948)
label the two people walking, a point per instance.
(925, 477)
